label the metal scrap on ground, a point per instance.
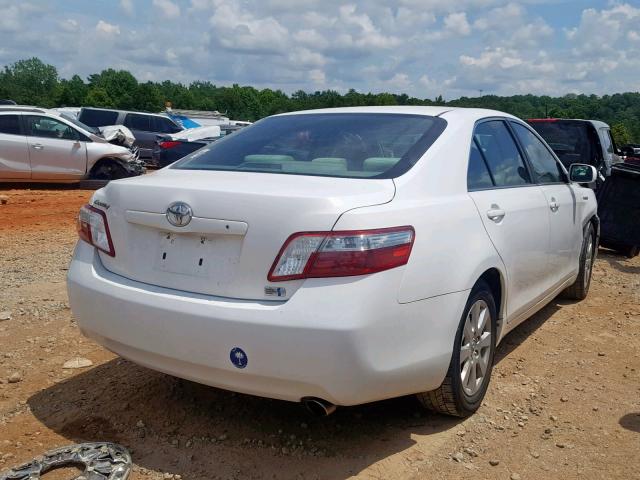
(101, 461)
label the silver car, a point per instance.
(40, 145)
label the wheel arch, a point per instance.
(496, 281)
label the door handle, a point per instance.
(38, 146)
(553, 205)
(496, 214)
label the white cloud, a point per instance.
(167, 8)
(106, 28)
(127, 7)
(457, 23)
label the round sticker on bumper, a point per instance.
(238, 357)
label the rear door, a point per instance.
(14, 152)
(57, 151)
(514, 212)
(565, 230)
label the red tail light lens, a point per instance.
(94, 229)
(169, 144)
(342, 253)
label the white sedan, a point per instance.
(338, 256)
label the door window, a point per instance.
(501, 154)
(98, 118)
(478, 176)
(544, 165)
(10, 124)
(47, 127)
(137, 121)
(164, 125)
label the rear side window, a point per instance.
(501, 154)
(478, 176)
(163, 125)
(98, 118)
(544, 165)
(136, 121)
(353, 145)
(10, 124)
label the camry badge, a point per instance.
(179, 214)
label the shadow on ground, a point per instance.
(200, 432)
(631, 421)
(618, 261)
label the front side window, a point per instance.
(544, 165)
(46, 127)
(10, 124)
(136, 121)
(501, 154)
(353, 145)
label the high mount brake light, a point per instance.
(342, 253)
(93, 228)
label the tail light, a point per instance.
(94, 229)
(342, 253)
(166, 145)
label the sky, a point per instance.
(424, 48)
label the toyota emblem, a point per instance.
(179, 214)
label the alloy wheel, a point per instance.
(588, 260)
(475, 347)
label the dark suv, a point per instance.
(144, 126)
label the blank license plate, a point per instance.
(186, 254)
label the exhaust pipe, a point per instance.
(318, 407)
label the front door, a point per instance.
(565, 231)
(57, 151)
(514, 212)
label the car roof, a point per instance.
(432, 111)
(125, 111)
(595, 123)
(22, 108)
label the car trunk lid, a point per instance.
(240, 222)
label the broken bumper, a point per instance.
(327, 341)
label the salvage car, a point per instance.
(580, 141)
(338, 256)
(40, 145)
(171, 148)
(144, 126)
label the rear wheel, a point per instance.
(467, 379)
(580, 288)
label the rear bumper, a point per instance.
(347, 341)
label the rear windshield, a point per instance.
(351, 145)
(98, 118)
(572, 141)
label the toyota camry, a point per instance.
(339, 256)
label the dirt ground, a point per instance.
(564, 401)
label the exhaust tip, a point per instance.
(318, 407)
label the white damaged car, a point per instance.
(40, 145)
(339, 256)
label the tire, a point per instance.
(108, 170)
(456, 397)
(631, 252)
(580, 288)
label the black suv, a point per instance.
(144, 126)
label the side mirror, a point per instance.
(582, 173)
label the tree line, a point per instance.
(33, 82)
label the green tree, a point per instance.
(31, 82)
(620, 134)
